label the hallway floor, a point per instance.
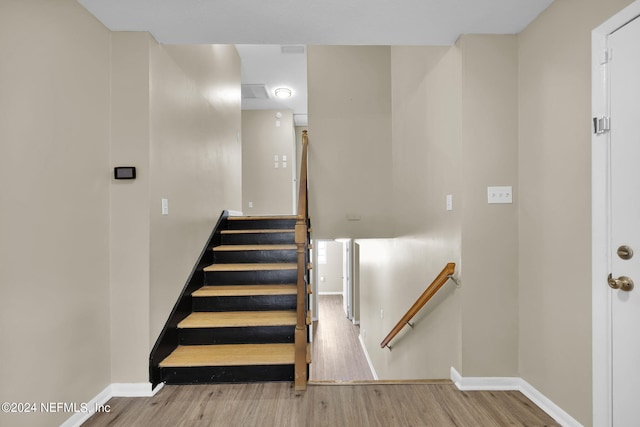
(337, 354)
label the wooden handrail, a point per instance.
(302, 243)
(434, 287)
(302, 191)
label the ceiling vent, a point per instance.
(292, 49)
(254, 92)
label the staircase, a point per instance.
(242, 323)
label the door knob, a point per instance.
(623, 283)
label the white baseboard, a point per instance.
(112, 390)
(134, 389)
(366, 354)
(518, 384)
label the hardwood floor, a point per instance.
(337, 354)
(279, 405)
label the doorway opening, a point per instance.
(338, 354)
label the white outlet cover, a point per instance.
(165, 206)
(500, 194)
(449, 202)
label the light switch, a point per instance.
(275, 157)
(449, 202)
(501, 194)
(284, 164)
(275, 165)
(165, 206)
(284, 157)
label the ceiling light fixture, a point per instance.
(283, 92)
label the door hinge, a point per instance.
(607, 56)
(601, 125)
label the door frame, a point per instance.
(600, 143)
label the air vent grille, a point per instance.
(292, 49)
(254, 92)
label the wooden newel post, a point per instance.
(302, 240)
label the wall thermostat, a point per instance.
(124, 172)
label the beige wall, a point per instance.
(195, 160)
(349, 140)
(90, 269)
(330, 274)
(555, 202)
(264, 136)
(54, 214)
(454, 132)
(426, 93)
(129, 206)
(176, 116)
(489, 231)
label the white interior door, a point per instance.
(624, 74)
(346, 278)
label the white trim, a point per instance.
(79, 418)
(601, 314)
(134, 389)
(366, 354)
(517, 384)
(235, 213)
(484, 383)
(331, 293)
(112, 390)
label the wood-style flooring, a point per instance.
(337, 354)
(279, 405)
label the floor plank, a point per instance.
(279, 405)
(337, 353)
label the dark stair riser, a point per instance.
(284, 277)
(258, 238)
(238, 335)
(245, 303)
(261, 224)
(269, 256)
(228, 374)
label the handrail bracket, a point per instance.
(454, 280)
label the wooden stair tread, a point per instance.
(259, 231)
(261, 217)
(244, 290)
(234, 248)
(230, 355)
(252, 266)
(226, 319)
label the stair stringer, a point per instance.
(168, 339)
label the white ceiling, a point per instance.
(268, 65)
(332, 22)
